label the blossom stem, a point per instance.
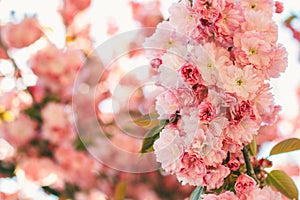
(249, 167)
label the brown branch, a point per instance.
(249, 167)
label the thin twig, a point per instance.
(249, 167)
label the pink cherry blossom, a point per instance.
(215, 177)
(227, 195)
(167, 148)
(169, 78)
(230, 21)
(244, 185)
(260, 22)
(174, 58)
(207, 111)
(22, 34)
(242, 132)
(191, 170)
(209, 10)
(253, 49)
(184, 18)
(258, 5)
(166, 104)
(164, 38)
(245, 109)
(241, 110)
(257, 193)
(209, 59)
(264, 105)
(190, 74)
(264, 193)
(243, 82)
(278, 62)
(267, 133)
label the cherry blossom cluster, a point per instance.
(214, 59)
(246, 189)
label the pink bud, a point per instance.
(234, 165)
(279, 7)
(155, 63)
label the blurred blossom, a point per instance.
(72, 161)
(148, 14)
(6, 67)
(20, 188)
(15, 101)
(71, 8)
(57, 127)
(121, 141)
(22, 34)
(56, 69)
(3, 53)
(8, 84)
(8, 186)
(6, 150)
(19, 132)
(93, 195)
(42, 171)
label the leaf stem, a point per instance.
(249, 167)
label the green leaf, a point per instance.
(283, 183)
(148, 121)
(285, 146)
(151, 136)
(79, 144)
(120, 192)
(196, 194)
(253, 146)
